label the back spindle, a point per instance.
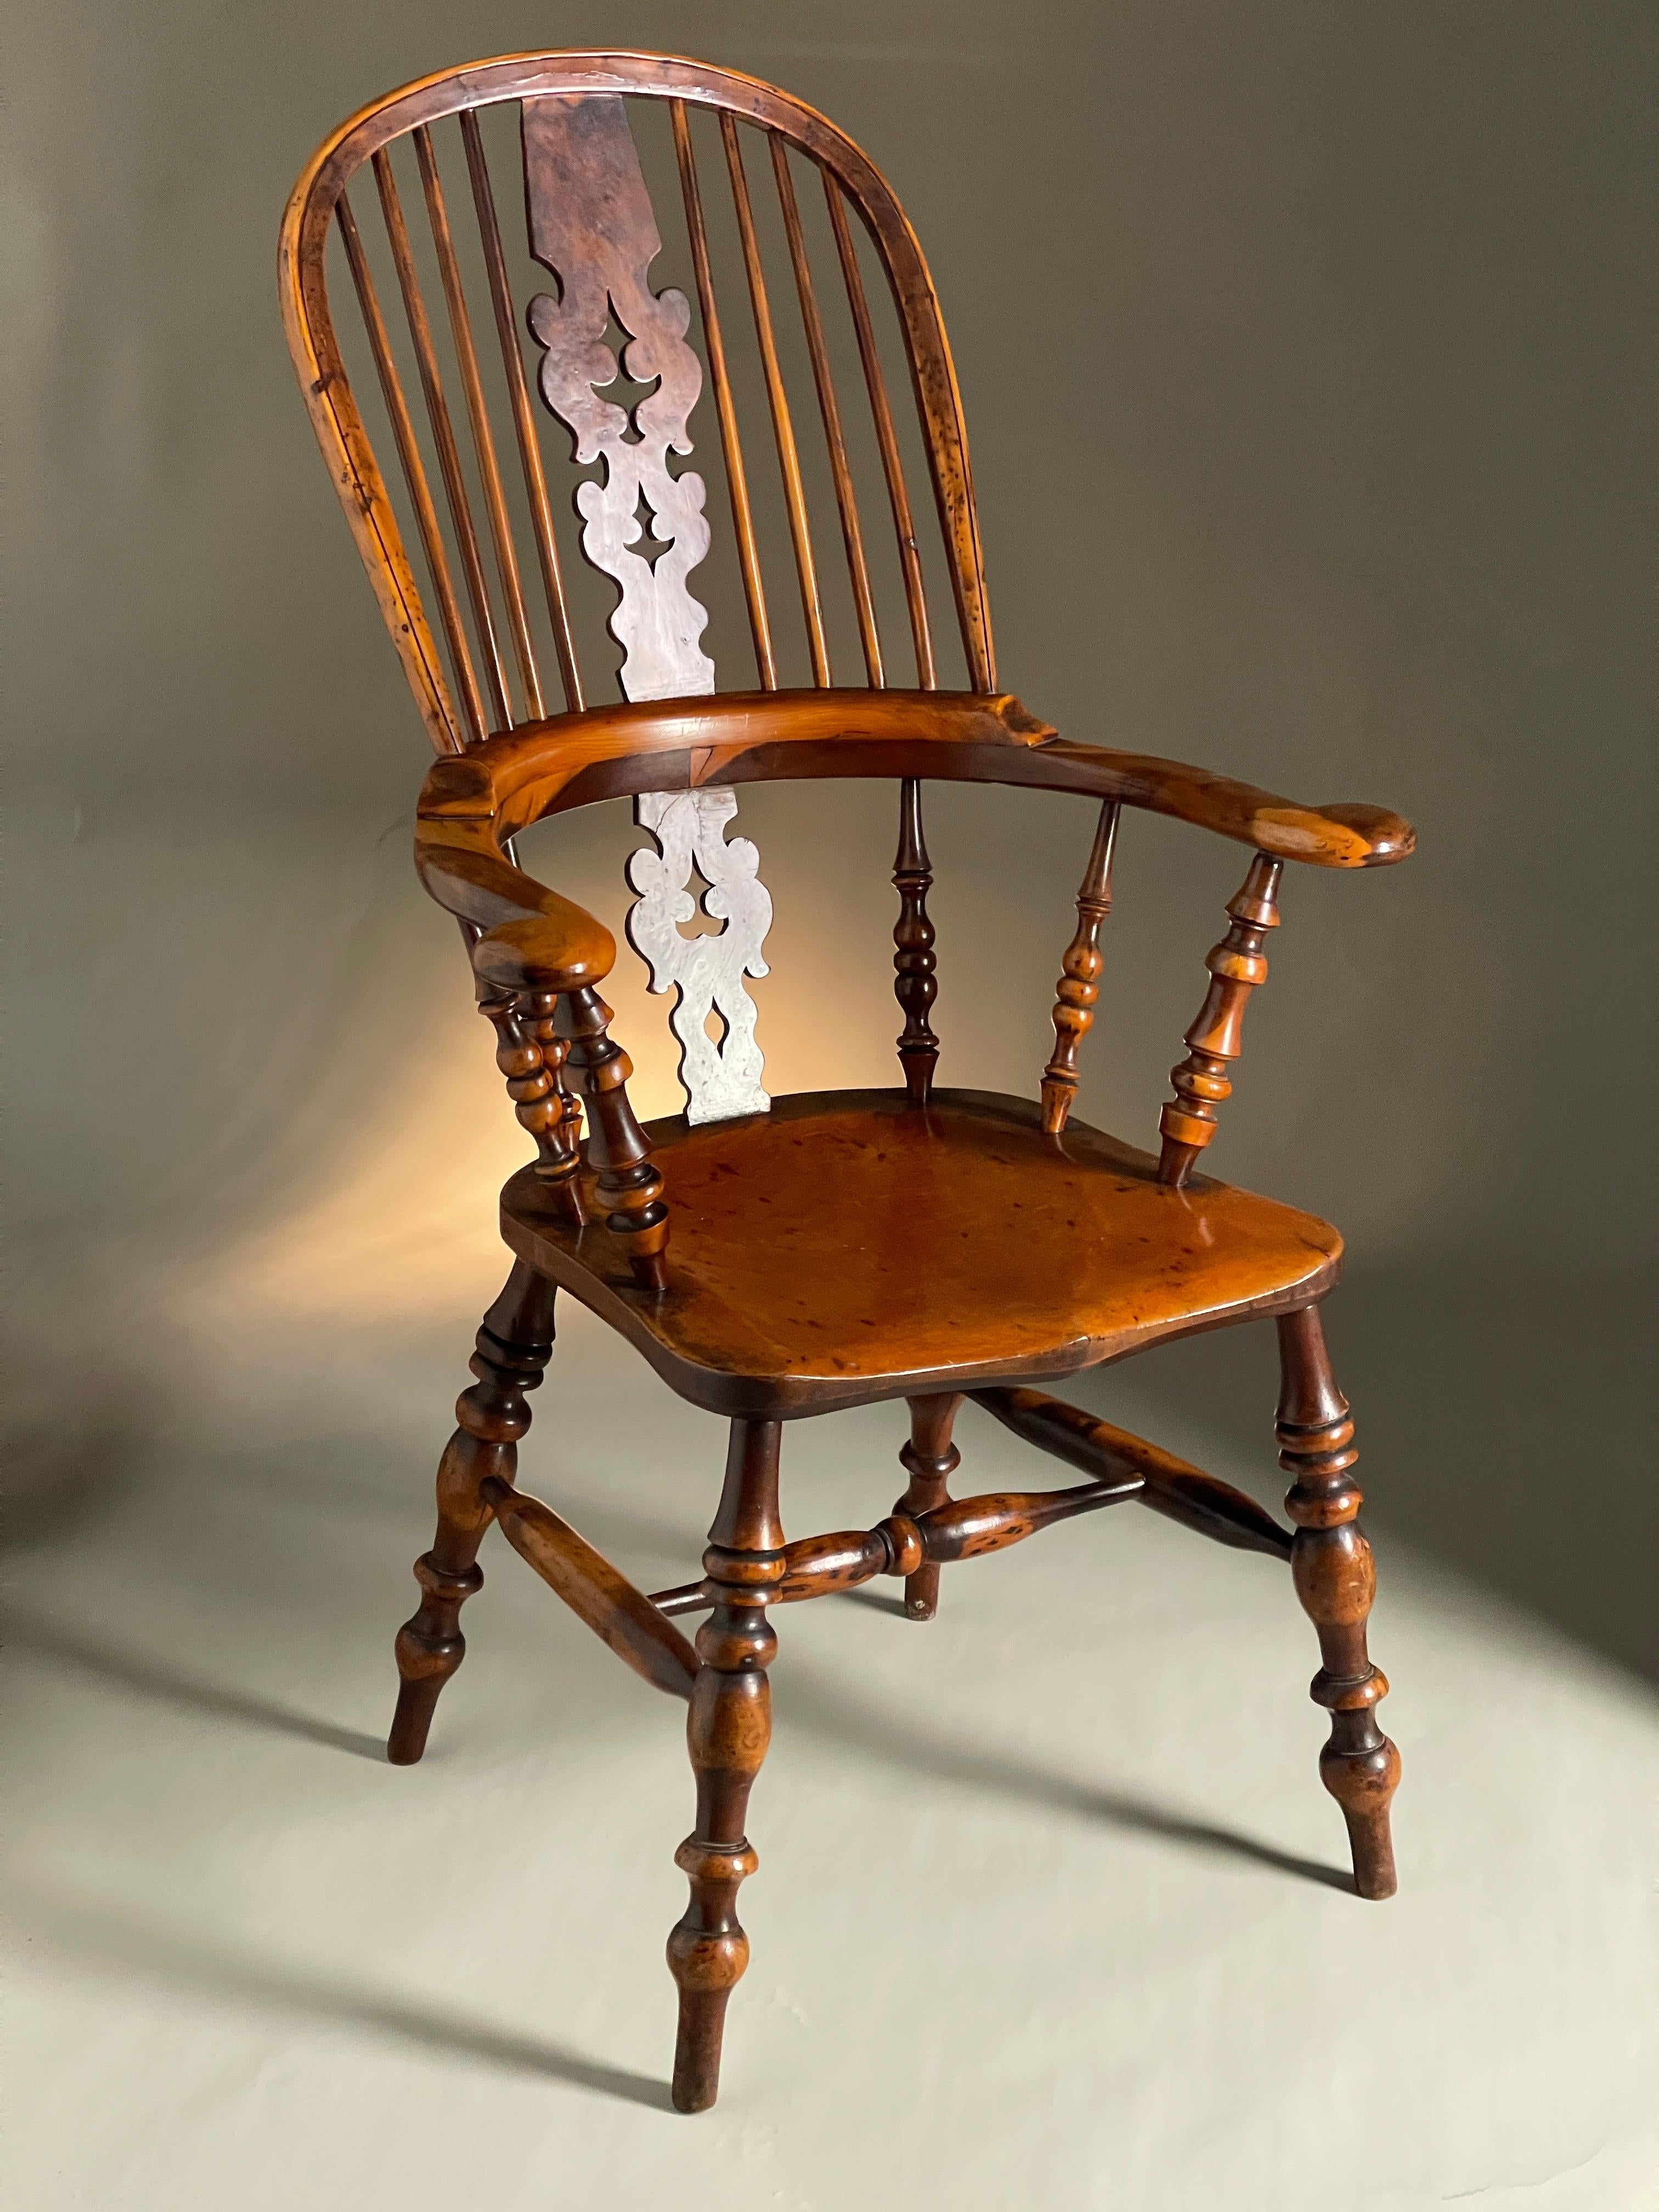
(483, 443)
(1077, 991)
(801, 535)
(524, 420)
(823, 378)
(1215, 1040)
(420, 491)
(915, 596)
(443, 437)
(914, 982)
(743, 522)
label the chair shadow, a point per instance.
(151, 1950)
(144, 1676)
(883, 1736)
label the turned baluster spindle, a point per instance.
(628, 1180)
(728, 1728)
(1335, 1578)
(915, 984)
(513, 1347)
(544, 1008)
(1078, 992)
(929, 1459)
(530, 1057)
(1236, 965)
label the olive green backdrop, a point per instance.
(1307, 357)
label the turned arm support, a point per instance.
(538, 960)
(534, 947)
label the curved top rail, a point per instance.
(335, 417)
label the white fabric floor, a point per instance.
(1049, 1912)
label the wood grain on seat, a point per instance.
(851, 1246)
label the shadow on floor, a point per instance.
(87, 1931)
(814, 1705)
(142, 1675)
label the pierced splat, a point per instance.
(592, 224)
(690, 827)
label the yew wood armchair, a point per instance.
(771, 1259)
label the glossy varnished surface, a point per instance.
(848, 1246)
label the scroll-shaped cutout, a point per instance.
(592, 224)
(690, 827)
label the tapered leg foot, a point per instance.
(728, 1727)
(513, 1347)
(1335, 1578)
(430, 1647)
(697, 2049)
(929, 1459)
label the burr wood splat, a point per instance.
(592, 224)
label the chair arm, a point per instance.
(732, 738)
(532, 939)
(1340, 834)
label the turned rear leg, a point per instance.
(1336, 1579)
(514, 1347)
(929, 1459)
(727, 1730)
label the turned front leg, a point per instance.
(929, 1459)
(513, 1347)
(1336, 1579)
(728, 1730)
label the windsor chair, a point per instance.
(770, 1259)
